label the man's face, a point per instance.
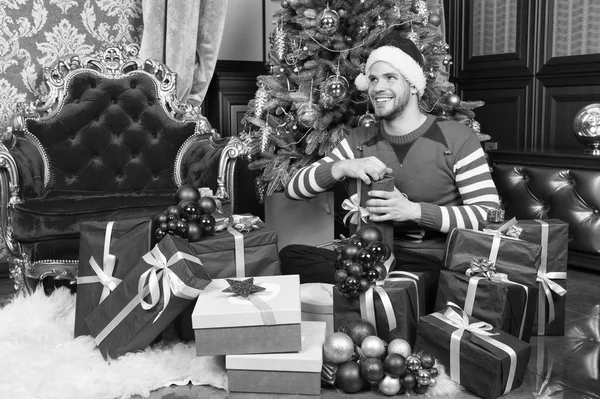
(388, 90)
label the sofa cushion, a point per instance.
(58, 214)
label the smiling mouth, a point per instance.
(382, 100)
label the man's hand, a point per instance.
(366, 169)
(392, 205)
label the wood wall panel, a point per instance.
(506, 114)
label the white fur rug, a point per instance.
(40, 359)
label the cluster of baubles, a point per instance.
(191, 218)
(361, 359)
(360, 261)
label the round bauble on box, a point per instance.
(586, 126)
(187, 192)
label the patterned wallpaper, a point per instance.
(34, 33)
(575, 27)
(494, 29)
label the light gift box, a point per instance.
(490, 297)
(317, 304)
(154, 292)
(553, 236)
(516, 258)
(393, 306)
(107, 252)
(264, 317)
(281, 373)
(483, 359)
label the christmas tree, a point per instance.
(308, 102)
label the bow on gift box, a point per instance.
(246, 224)
(356, 213)
(482, 267)
(171, 283)
(509, 229)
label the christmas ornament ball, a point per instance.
(372, 369)
(435, 20)
(453, 100)
(207, 205)
(187, 192)
(337, 87)
(348, 377)
(160, 234)
(208, 223)
(190, 211)
(432, 382)
(400, 346)
(423, 377)
(427, 360)
(328, 21)
(308, 114)
(173, 212)
(349, 251)
(434, 372)
(389, 385)
(195, 231)
(370, 233)
(358, 330)
(380, 269)
(161, 218)
(409, 381)
(420, 389)
(340, 276)
(367, 120)
(413, 362)
(395, 364)
(373, 346)
(338, 348)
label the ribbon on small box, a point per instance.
(483, 268)
(548, 286)
(456, 317)
(104, 274)
(367, 300)
(172, 284)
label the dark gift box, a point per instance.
(157, 289)
(507, 306)
(107, 252)
(516, 258)
(393, 307)
(553, 236)
(483, 359)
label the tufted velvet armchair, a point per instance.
(108, 141)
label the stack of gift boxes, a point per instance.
(500, 286)
(225, 291)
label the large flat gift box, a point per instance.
(516, 258)
(107, 252)
(553, 236)
(281, 373)
(507, 306)
(267, 321)
(483, 359)
(157, 289)
(317, 303)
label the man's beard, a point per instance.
(396, 110)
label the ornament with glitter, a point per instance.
(265, 137)
(363, 29)
(279, 42)
(328, 21)
(420, 7)
(243, 288)
(260, 100)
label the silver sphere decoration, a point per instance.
(328, 21)
(586, 126)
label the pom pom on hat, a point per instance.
(402, 54)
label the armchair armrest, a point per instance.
(227, 163)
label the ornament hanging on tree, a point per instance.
(435, 20)
(453, 100)
(363, 29)
(366, 120)
(431, 74)
(420, 7)
(380, 23)
(413, 37)
(265, 137)
(262, 96)
(279, 42)
(328, 21)
(308, 114)
(337, 87)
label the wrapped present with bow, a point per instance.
(485, 360)
(517, 258)
(490, 297)
(107, 252)
(157, 289)
(358, 215)
(553, 236)
(248, 315)
(393, 306)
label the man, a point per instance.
(441, 176)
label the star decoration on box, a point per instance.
(243, 288)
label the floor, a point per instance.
(560, 367)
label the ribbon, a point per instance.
(545, 279)
(245, 224)
(481, 267)
(171, 282)
(497, 238)
(238, 240)
(104, 274)
(545, 389)
(367, 300)
(266, 312)
(495, 215)
(356, 213)
(456, 317)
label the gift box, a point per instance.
(483, 359)
(516, 258)
(494, 299)
(107, 252)
(282, 373)
(553, 236)
(392, 306)
(158, 288)
(317, 304)
(267, 321)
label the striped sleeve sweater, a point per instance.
(440, 165)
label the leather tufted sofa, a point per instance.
(108, 141)
(551, 184)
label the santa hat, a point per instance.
(402, 54)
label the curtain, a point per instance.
(185, 35)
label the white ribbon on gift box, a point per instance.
(456, 317)
(545, 279)
(367, 300)
(104, 274)
(356, 213)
